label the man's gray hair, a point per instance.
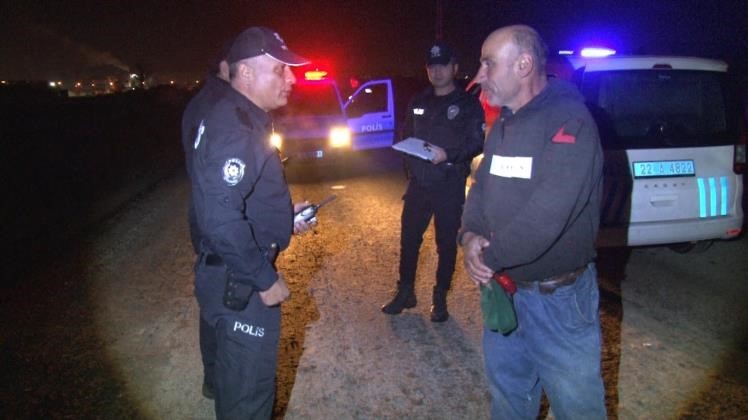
(529, 41)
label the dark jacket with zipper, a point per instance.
(537, 192)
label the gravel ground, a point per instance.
(110, 331)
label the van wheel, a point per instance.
(695, 246)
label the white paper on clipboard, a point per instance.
(415, 147)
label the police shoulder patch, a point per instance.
(233, 171)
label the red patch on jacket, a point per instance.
(563, 137)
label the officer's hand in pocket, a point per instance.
(276, 294)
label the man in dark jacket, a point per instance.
(533, 215)
(451, 122)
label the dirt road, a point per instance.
(110, 329)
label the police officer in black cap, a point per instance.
(215, 87)
(451, 121)
(244, 215)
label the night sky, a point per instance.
(174, 40)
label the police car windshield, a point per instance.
(312, 99)
(660, 109)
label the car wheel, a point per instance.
(695, 246)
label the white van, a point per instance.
(675, 149)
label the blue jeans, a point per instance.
(556, 349)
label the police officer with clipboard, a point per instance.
(450, 121)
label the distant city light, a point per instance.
(597, 52)
(171, 82)
(52, 84)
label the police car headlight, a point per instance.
(276, 140)
(340, 137)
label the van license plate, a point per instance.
(664, 168)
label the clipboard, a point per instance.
(415, 147)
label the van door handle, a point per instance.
(663, 200)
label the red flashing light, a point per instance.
(315, 75)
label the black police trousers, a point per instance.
(208, 348)
(246, 349)
(444, 201)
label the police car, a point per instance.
(318, 124)
(675, 148)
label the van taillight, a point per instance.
(739, 160)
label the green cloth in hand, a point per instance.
(498, 309)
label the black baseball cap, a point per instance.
(259, 40)
(439, 53)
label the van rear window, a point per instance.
(637, 109)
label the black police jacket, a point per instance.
(454, 122)
(242, 202)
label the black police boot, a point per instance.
(439, 308)
(404, 298)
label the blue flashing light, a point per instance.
(597, 52)
(565, 52)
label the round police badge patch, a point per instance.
(233, 171)
(452, 112)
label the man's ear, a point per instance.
(246, 72)
(525, 64)
(223, 70)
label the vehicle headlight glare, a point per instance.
(340, 137)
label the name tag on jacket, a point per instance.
(511, 166)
